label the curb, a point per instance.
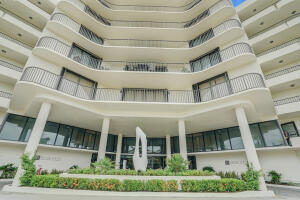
(6, 180)
(182, 195)
(284, 186)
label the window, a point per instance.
(256, 136)
(189, 143)
(223, 140)
(290, 128)
(128, 145)
(89, 139)
(97, 141)
(111, 143)
(145, 95)
(198, 142)
(158, 145)
(197, 19)
(13, 127)
(93, 14)
(84, 57)
(235, 138)
(202, 38)
(27, 130)
(272, 134)
(90, 35)
(206, 61)
(63, 136)
(175, 145)
(77, 138)
(210, 141)
(49, 134)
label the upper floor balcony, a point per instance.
(83, 13)
(209, 39)
(4, 100)
(171, 73)
(288, 107)
(10, 72)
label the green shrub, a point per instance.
(29, 168)
(103, 165)
(156, 186)
(44, 172)
(172, 185)
(55, 171)
(223, 185)
(228, 175)
(8, 171)
(251, 177)
(275, 177)
(208, 168)
(133, 185)
(177, 164)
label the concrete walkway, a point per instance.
(281, 194)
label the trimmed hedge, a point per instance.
(158, 172)
(223, 185)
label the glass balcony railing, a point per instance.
(53, 81)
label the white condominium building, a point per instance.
(219, 85)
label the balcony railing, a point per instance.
(215, 8)
(67, 21)
(64, 50)
(287, 101)
(10, 66)
(15, 41)
(279, 47)
(283, 72)
(5, 95)
(186, 7)
(56, 82)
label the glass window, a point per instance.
(84, 57)
(129, 162)
(223, 140)
(97, 141)
(256, 136)
(49, 133)
(235, 138)
(175, 145)
(158, 145)
(189, 143)
(89, 139)
(13, 127)
(206, 61)
(149, 146)
(198, 142)
(210, 141)
(272, 134)
(63, 136)
(128, 145)
(77, 138)
(111, 143)
(27, 130)
(290, 128)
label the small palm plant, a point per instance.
(104, 165)
(177, 164)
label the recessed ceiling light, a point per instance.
(292, 85)
(3, 51)
(30, 17)
(281, 61)
(254, 10)
(271, 41)
(19, 34)
(294, 12)
(262, 23)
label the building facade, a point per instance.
(219, 85)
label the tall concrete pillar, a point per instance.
(182, 139)
(168, 146)
(248, 143)
(103, 139)
(35, 138)
(119, 150)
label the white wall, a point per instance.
(285, 161)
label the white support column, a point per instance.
(103, 139)
(248, 143)
(168, 146)
(119, 149)
(182, 139)
(35, 137)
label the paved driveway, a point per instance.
(281, 194)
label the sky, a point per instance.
(237, 2)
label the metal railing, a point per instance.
(216, 7)
(287, 101)
(54, 81)
(282, 72)
(279, 47)
(10, 66)
(5, 94)
(275, 25)
(67, 21)
(64, 50)
(186, 7)
(15, 41)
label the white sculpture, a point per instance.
(140, 163)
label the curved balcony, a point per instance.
(288, 107)
(56, 82)
(82, 13)
(228, 30)
(10, 71)
(177, 74)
